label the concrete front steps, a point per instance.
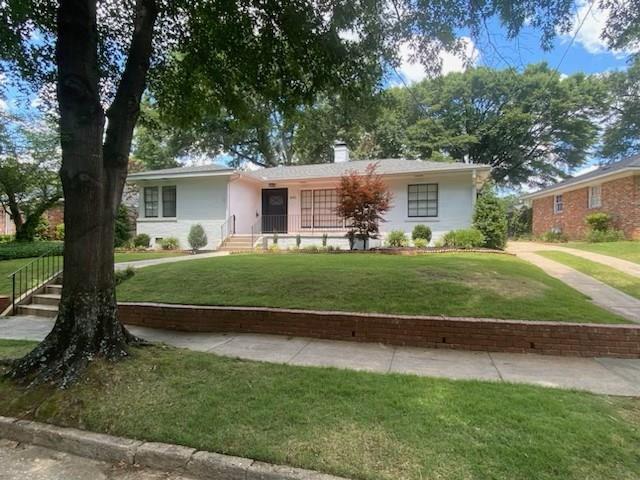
(237, 243)
(43, 304)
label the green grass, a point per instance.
(477, 285)
(617, 279)
(7, 267)
(353, 424)
(135, 256)
(627, 250)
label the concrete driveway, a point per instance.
(597, 375)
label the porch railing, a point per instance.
(303, 223)
(228, 228)
(30, 276)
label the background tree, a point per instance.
(622, 134)
(531, 127)
(29, 163)
(206, 57)
(363, 199)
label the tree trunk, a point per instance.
(93, 177)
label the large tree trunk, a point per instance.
(93, 176)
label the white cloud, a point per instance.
(4, 106)
(414, 71)
(589, 23)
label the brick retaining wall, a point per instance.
(552, 338)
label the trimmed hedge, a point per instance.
(13, 250)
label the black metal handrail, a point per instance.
(40, 270)
(228, 228)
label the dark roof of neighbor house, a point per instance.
(605, 170)
(320, 170)
(333, 170)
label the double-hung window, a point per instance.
(595, 196)
(558, 204)
(151, 203)
(169, 201)
(423, 200)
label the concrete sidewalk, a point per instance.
(624, 266)
(160, 261)
(600, 375)
(600, 293)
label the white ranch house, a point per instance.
(244, 208)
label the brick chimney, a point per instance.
(340, 152)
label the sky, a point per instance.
(587, 52)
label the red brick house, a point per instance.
(613, 188)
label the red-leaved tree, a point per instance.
(362, 201)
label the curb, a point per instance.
(159, 456)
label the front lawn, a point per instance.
(475, 285)
(7, 267)
(611, 276)
(627, 249)
(136, 256)
(353, 424)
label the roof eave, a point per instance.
(470, 168)
(572, 186)
(170, 176)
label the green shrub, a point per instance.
(490, 218)
(324, 239)
(397, 238)
(59, 233)
(598, 222)
(275, 239)
(298, 240)
(169, 243)
(197, 237)
(142, 240)
(273, 248)
(42, 229)
(554, 236)
(122, 227)
(464, 238)
(123, 275)
(7, 238)
(420, 242)
(12, 250)
(421, 232)
(599, 236)
(310, 249)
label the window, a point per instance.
(318, 209)
(595, 196)
(169, 201)
(558, 204)
(150, 201)
(423, 200)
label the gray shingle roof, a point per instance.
(211, 168)
(611, 168)
(333, 170)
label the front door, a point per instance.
(274, 210)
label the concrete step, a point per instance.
(48, 311)
(53, 289)
(46, 299)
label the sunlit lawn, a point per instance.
(627, 250)
(476, 285)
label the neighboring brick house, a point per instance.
(613, 188)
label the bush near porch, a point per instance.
(465, 285)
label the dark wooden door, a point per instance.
(275, 210)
